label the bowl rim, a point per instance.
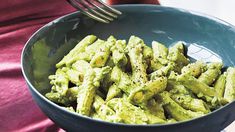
(31, 87)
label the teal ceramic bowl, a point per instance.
(207, 38)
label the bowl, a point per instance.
(149, 22)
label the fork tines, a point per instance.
(96, 9)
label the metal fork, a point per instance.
(96, 9)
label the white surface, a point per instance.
(223, 9)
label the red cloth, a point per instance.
(19, 19)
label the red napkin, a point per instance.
(19, 19)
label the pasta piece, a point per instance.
(102, 54)
(114, 91)
(195, 69)
(195, 86)
(118, 53)
(211, 74)
(189, 103)
(135, 52)
(129, 113)
(79, 48)
(100, 74)
(179, 89)
(160, 52)
(229, 92)
(81, 66)
(88, 89)
(151, 88)
(140, 85)
(93, 48)
(175, 110)
(75, 77)
(162, 71)
(175, 54)
(70, 109)
(87, 93)
(155, 65)
(67, 99)
(220, 85)
(171, 120)
(103, 111)
(179, 46)
(152, 119)
(60, 82)
(80, 56)
(106, 82)
(154, 108)
(122, 80)
(147, 53)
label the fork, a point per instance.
(96, 9)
